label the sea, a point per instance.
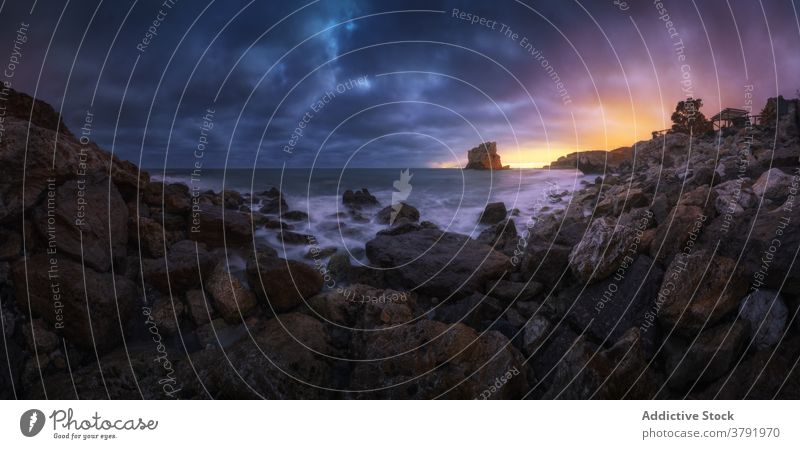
(453, 199)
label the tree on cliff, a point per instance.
(688, 119)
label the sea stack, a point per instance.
(485, 157)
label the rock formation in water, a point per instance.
(485, 157)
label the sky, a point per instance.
(347, 83)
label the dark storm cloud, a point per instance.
(267, 83)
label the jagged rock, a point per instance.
(435, 263)
(601, 250)
(766, 312)
(232, 299)
(484, 157)
(110, 300)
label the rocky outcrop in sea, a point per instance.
(485, 157)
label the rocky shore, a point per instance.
(672, 276)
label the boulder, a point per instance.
(706, 358)
(51, 155)
(232, 298)
(733, 197)
(183, 268)
(394, 364)
(295, 238)
(364, 307)
(395, 212)
(477, 311)
(587, 372)
(609, 308)
(40, 336)
(435, 263)
(601, 251)
(285, 360)
(167, 313)
(172, 198)
(493, 213)
(773, 185)
(683, 225)
(767, 313)
(545, 262)
(699, 291)
(295, 215)
(359, 199)
(283, 284)
(87, 220)
(218, 227)
(756, 241)
(502, 236)
(764, 375)
(197, 308)
(508, 291)
(272, 202)
(87, 307)
(150, 234)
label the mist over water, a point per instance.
(452, 199)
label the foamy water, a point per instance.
(452, 199)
